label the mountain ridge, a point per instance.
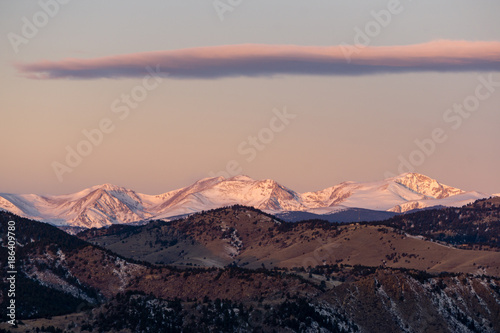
(250, 238)
(108, 204)
(357, 277)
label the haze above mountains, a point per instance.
(108, 204)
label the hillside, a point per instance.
(70, 284)
(372, 300)
(344, 215)
(249, 238)
(63, 262)
(472, 226)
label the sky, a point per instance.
(154, 95)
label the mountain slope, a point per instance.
(343, 215)
(249, 238)
(476, 223)
(371, 300)
(59, 274)
(94, 207)
(108, 204)
(390, 193)
(212, 193)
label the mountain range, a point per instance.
(108, 204)
(238, 269)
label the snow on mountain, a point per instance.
(386, 194)
(212, 193)
(496, 195)
(426, 186)
(108, 204)
(94, 207)
(457, 200)
(105, 204)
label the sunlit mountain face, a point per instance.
(108, 204)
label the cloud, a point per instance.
(253, 60)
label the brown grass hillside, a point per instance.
(249, 238)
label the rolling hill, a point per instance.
(68, 284)
(249, 238)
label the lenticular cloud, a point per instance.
(254, 60)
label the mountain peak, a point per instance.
(242, 178)
(414, 175)
(110, 187)
(219, 178)
(107, 203)
(269, 182)
(425, 185)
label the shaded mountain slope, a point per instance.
(475, 224)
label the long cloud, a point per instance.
(267, 60)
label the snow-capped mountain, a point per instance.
(93, 207)
(211, 193)
(108, 204)
(398, 194)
